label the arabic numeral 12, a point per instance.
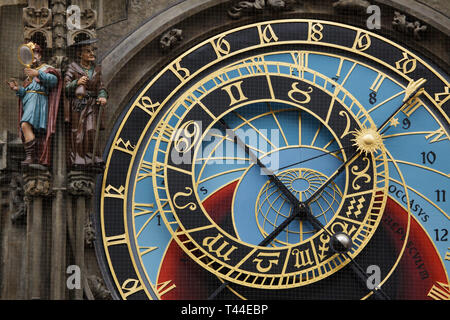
(441, 235)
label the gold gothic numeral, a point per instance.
(140, 209)
(442, 97)
(255, 65)
(266, 258)
(210, 242)
(323, 247)
(221, 47)
(300, 63)
(362, 41)
(146, 104)
(131, 286)
(113, 192)
(440, 291)
(147, 169)
(437, 136)
(180, 72)
(267, 34)
(123, 146)
(238, 89)
(165, 287)
(377, 82)
(315, 32)
(165, 131)
(116, 240)
(302, 258)
(406, 64)
(412, 106)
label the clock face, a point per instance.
(291, 159)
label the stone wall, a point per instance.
(11, 35)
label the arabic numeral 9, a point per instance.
(406, 123)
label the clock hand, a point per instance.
(301, 211)
(341, 243)
(413, 89)
(313, 158)
(280, 185)
(332, 177)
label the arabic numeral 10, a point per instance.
(428, 157)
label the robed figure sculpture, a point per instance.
(85, 98)
(39, 97)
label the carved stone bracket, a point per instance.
(37, 183)
(402, 25)
(89, 234)
(18, 199)
(170, 39)
(81, 184)
(98, 288)
(59, 62)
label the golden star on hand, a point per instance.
(394, 122)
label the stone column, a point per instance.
(81, 187)
(59, 212)
(37, 188)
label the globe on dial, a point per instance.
(282, 160)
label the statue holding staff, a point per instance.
(85, 98)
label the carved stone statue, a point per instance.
(170, 39)
(351, 6)
(18, 199)
(38, 107)
(257, 6)
(401, 24)
(85, 96)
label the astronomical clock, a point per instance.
(281, 159)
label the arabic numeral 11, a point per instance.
(440, 195)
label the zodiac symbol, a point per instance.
(358, 207)
(192, 206)
(361, 174)
(184, 139)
